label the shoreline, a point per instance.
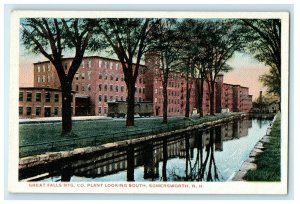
(42, 159)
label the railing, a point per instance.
(77, 142)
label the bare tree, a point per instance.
(129, 39)
(51, 37)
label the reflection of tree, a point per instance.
(204, 167)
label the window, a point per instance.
(105, 65)
(117, 66)
(38, 68)
(155, 100)
(47, 97)
(117, 89)
(49, 68)
(90, 64)
(100, 76)
(49, 78)
(122, 78)
(156, 91)
(111, 65)
(100, 63)
(105, 77)
(117, 78)
(140, 80)
(99, 110)
(100, 98)
(77, 88)
(38, 111)
(111, 88)
(117, 98)
(76, 76)
(140, 99)
(105, 109)
(89, 75)
(122, 98)
(21, 96)
(37, 97)
(111, 77)
(82, 63)
(44, 68)
(29, 96)
(55, 110)
(82, 87)
(140, 90)
(56, 97)
(20, 110)
(28, 110)
(111, 98)
(100, 87)
(38, 79)
(122, 88)
(89, 87)
(105, 98)
(82, 75)
(44, 78)
(105, 87)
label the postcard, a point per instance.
(148, 102)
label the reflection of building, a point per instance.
(100, 80)
(40, 102)
(148, 155)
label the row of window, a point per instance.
(43, 68)
(170, 93)
(117, 98)
(43, 78)
(170, 101)
(38, 97)
(38, 111)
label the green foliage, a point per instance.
(263, 41)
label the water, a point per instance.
(214, 154)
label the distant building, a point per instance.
(100, 80)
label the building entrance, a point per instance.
(47, 112)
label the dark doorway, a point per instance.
(47, 112)
(157, 111)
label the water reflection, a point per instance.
(199, 155)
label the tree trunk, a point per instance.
(165, 102)
(212, 97)
(187, 104)
(130, 104)
(66, 107)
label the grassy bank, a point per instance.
(268, 162)
(37, 138)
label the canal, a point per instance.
(214, 154)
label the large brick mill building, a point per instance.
(100, 80)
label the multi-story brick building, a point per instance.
(100, 80)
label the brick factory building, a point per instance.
(100, 80)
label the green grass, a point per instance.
(268, 162)
(36, 138)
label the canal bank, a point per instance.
(61, 155)
(264, 160)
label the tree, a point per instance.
(194, 57)
(223, 40)
(165, 40)
(264, 42)
(128, 38)
(52, 37)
